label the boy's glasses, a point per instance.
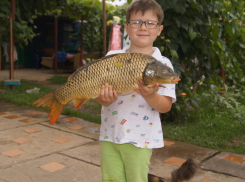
(138, 23)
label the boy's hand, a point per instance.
(107, 95)
(145, 91)
(160, 103)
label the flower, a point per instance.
(183, 94)
(110, 22)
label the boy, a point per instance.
(130, 125)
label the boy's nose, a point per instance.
(143, 26)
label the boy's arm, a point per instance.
(107, 95)
(160, 103)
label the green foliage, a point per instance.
(25, 12)
(28, 10)
(91, 12)
(200, 37)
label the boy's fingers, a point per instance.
(110, 92)
(156, 86)
(136, 90)
(106, 91)
(115, 94)
(102, 90)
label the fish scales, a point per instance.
(88, 81)
(121, 71)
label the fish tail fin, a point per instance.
(186, 171)
(79, 102)
(54, 106)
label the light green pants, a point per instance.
(124, 162)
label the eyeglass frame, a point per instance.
(143, 22)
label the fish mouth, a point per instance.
(175, 80)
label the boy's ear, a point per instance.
(160, 30)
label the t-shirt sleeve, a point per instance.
(170, 88)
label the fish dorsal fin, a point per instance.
(105, 57)
(69, 78)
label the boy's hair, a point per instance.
(143, 6)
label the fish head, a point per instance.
(157, 72)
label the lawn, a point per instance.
(213, 125)
(20, 97)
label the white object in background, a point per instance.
(34, 90)
(126, 43)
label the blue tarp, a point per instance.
(61, 56)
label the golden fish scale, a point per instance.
(121, 71)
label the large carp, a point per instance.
(121, 71)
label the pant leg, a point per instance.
(112, 166)
(136, 161)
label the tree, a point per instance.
(26, 12)
(210, 32)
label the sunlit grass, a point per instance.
(58, 79)
(20, 97)
(212, 128)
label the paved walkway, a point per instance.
(28, 74)
(31, 150)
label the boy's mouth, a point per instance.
(142, 35)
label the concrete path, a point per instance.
(31, 150)
(28, 74)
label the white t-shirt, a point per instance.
(130, 119)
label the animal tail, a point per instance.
(186, 171)
(54, 106)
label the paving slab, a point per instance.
(89, 152)
(219, 165)
(164, 170)
(90, 130)
(6, 123)
(184, 151)
(41, 143)
(179, 150)
(80, 146)
(75, 171)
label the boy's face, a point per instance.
(142, 36)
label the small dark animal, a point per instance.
(186, 171)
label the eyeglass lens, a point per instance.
(138, 23)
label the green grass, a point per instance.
(58, 79)
(20, 97)
(92, 106)
(221, 129)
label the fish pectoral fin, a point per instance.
(79, 102)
